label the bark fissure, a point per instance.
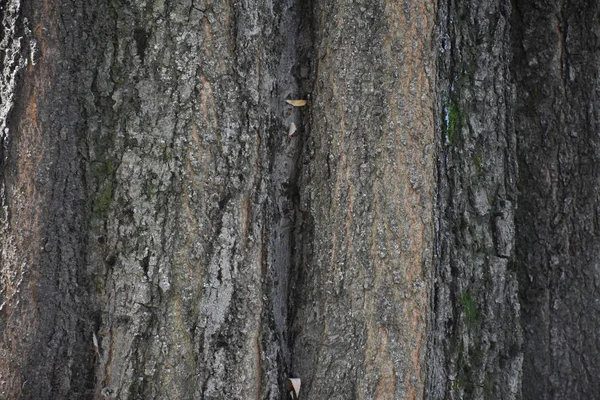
(426, 226)
(287, 146)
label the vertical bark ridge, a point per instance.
(193, 203)
(154, 170)
(367, 193)
(50, 315)
(475, 335)
(557, 51)
(18, 316)
(184, 218)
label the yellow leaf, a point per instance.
(296, 103)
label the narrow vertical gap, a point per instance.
(304, 72)
(289, 127)
(436, 352)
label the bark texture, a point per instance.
(47, 311)
(557, 49)
(367, 187)
(136, 261)
(425, 227)
(164, 193)
(475, 336)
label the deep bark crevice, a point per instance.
(289, 130)
(171, 228)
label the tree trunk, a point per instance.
(425, 227)
(475, 334)
(557, 53)
(367, 189)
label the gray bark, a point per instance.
(557, 45)
(47, 311)
(430, 230)
(475, 334)
(148, 128)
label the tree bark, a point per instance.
(475, 334)
(138, 213)
(425, 227)
(557, 48)
(47, 311)
(367, 187)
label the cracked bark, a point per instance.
(367, 186)
(475, 340)
(162, 169)
(557, 123)
(429, 231)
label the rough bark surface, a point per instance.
(428, 230)
(158, 176)
(367, 192)
(139, 160)
(557, 46)
(475, 337)
(47, 312)
(190, 255)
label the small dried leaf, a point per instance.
(95, 341)
(296, 103)
(293, 385)
(292, 129)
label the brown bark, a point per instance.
(429, 230)
(367, 188)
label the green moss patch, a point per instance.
(451, 123)
(469, 308)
